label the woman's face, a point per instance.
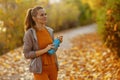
(41, 16)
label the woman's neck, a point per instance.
(40, 26)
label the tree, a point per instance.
(111, 25)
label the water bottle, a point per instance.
(56, 44)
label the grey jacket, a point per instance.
(30, 46)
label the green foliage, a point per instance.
(86, 13)
(101, 17)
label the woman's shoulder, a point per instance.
(29, 31)
(49, 28)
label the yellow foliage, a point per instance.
(109, 12)
(93, 3)
(115, 27)
(18, 1)
(62, 14)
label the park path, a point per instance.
(70, 34)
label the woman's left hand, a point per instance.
(60, 38)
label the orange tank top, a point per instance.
(44, 38)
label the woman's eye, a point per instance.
(43, 14)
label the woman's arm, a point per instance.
(60, 38)
(40, 52)
(28, 46)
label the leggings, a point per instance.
(49, 72)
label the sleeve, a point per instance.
(28, 46)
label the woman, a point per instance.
(38, 40)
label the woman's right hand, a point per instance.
(43, 51)
(50, 46)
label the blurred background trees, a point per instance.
(63, 15)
